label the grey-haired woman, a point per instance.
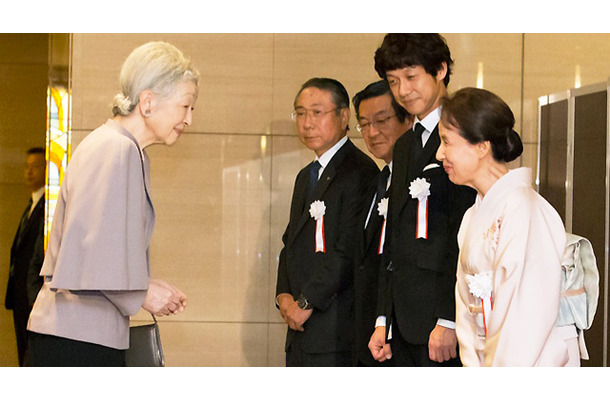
(96, 268)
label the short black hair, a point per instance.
(377, 89)
(333, 86)
(401, 50)
(36, 150)
(480, 116)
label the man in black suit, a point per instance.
(314, 291)
(27, 252)
(381, 121)
(417, 292)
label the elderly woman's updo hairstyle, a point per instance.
(157, 66)
(482, 116)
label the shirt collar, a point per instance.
(37, 195)
(325, 158)
(431, 120)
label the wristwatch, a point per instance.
(303, 303)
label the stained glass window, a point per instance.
(58, 148)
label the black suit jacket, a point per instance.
(366, 277)
(418, 283)
(326, 279)
(27, 255)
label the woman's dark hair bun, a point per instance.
(507, 147)
(514, 146)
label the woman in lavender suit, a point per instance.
(97, 266)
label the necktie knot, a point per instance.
(386, 171)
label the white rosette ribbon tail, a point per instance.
(420, 190)
(317, 209)
(481, 287)
(382, 207)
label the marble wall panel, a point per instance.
(489, 61)
(558, 62)
(212, 196)
(299, 57)
(201, 344)
(235, 77)
(277, 340)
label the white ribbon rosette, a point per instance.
(420, 190)
(317, 209)
(481, 287)
(382, 207)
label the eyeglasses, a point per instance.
(315, 114)
(379, 124)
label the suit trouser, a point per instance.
(296, 357)
(406, 354)
(21, 314)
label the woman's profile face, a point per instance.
(171, 115)
(460, 158)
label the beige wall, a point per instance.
(222, 192)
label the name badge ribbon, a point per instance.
(420, 190)
(317, 209)
(382, 207)
(481, 287)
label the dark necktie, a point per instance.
(382, 184)
(418, 146)
(23, 222)
(314, 168)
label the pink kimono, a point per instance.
(509, 280)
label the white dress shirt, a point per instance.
(429, 122)
(328, 155)
(35, 198)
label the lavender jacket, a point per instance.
(96, 267)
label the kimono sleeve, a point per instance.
(465, 323)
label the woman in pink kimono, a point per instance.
(96, 267)
(511, 243)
